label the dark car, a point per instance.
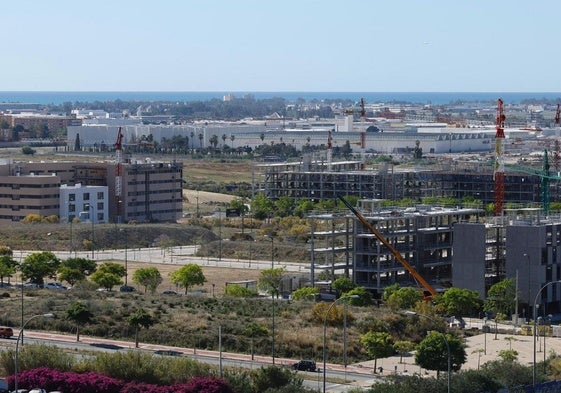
(6, 332)
(305, 365)
(127, 288)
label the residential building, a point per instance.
(88, 203)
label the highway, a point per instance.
(354, 375)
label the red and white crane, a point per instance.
(499, 170)
(118, 170)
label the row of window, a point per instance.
(153, 192)
(86, 196)
(140, 182)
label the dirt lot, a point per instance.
(217, 276)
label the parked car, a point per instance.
(6, 332)
(305, 365)
(55, 285)
(127, 288)
(169, 292)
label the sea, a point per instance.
(432, 98)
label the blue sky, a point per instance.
(288, 45)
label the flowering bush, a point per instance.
(91, 382)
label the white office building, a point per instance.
(86, 203)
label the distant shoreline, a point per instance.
(432, 98)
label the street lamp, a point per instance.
(91, 213)
(273, 294)
(411, 313)
(325, 332)
(535, 321)
(529, 281)
(20, 337)
(126, 256)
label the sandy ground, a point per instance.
(216, 277)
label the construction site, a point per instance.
(434, 247)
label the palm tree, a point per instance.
(192, 139)
(223, 140)
(201, 136)
(232, 137)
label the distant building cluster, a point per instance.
(151, 191)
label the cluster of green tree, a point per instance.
(263, 207)
(40, 265)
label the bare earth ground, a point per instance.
(217, 276)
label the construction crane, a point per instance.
(362, 110)
(499, 170)
(428, 291)
(118, 170)
(545, 178)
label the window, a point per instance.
(72, 208)
(100, 195)
(99, 206)
(71, 197)
(86, 196)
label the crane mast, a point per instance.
(118, 170)
(499, 170)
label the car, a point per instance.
(54, 285)
(6, 332)
(169, 292)
(127, 288)
(305, 365)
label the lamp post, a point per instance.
(325, 333)
(92, 217)
(529, 282)
(411, 313)
(126, 256)
(20, 336)
(273, 292)
(485, 336)
(535, 326)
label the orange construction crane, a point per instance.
(428, 291)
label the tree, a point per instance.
(377, 345)
(27, 150)
(459, 302)
(78, 313)
(432, 353)
(403, 347)
(305, 293)
(285, 206)
(201, 137)
(149, 277)
(213, 141)
(270, 280)
(501, 296)
(262, 207)
(73, 270)
(35, 267)
(138, 319)
(235, 290)
(77, 144)
(343, 285)
(188, 276)
(253, 330)
(364, 296)
(108, 275)
(7, 266)
(406, 297)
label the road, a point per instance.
(180, 255)
(355, 375)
